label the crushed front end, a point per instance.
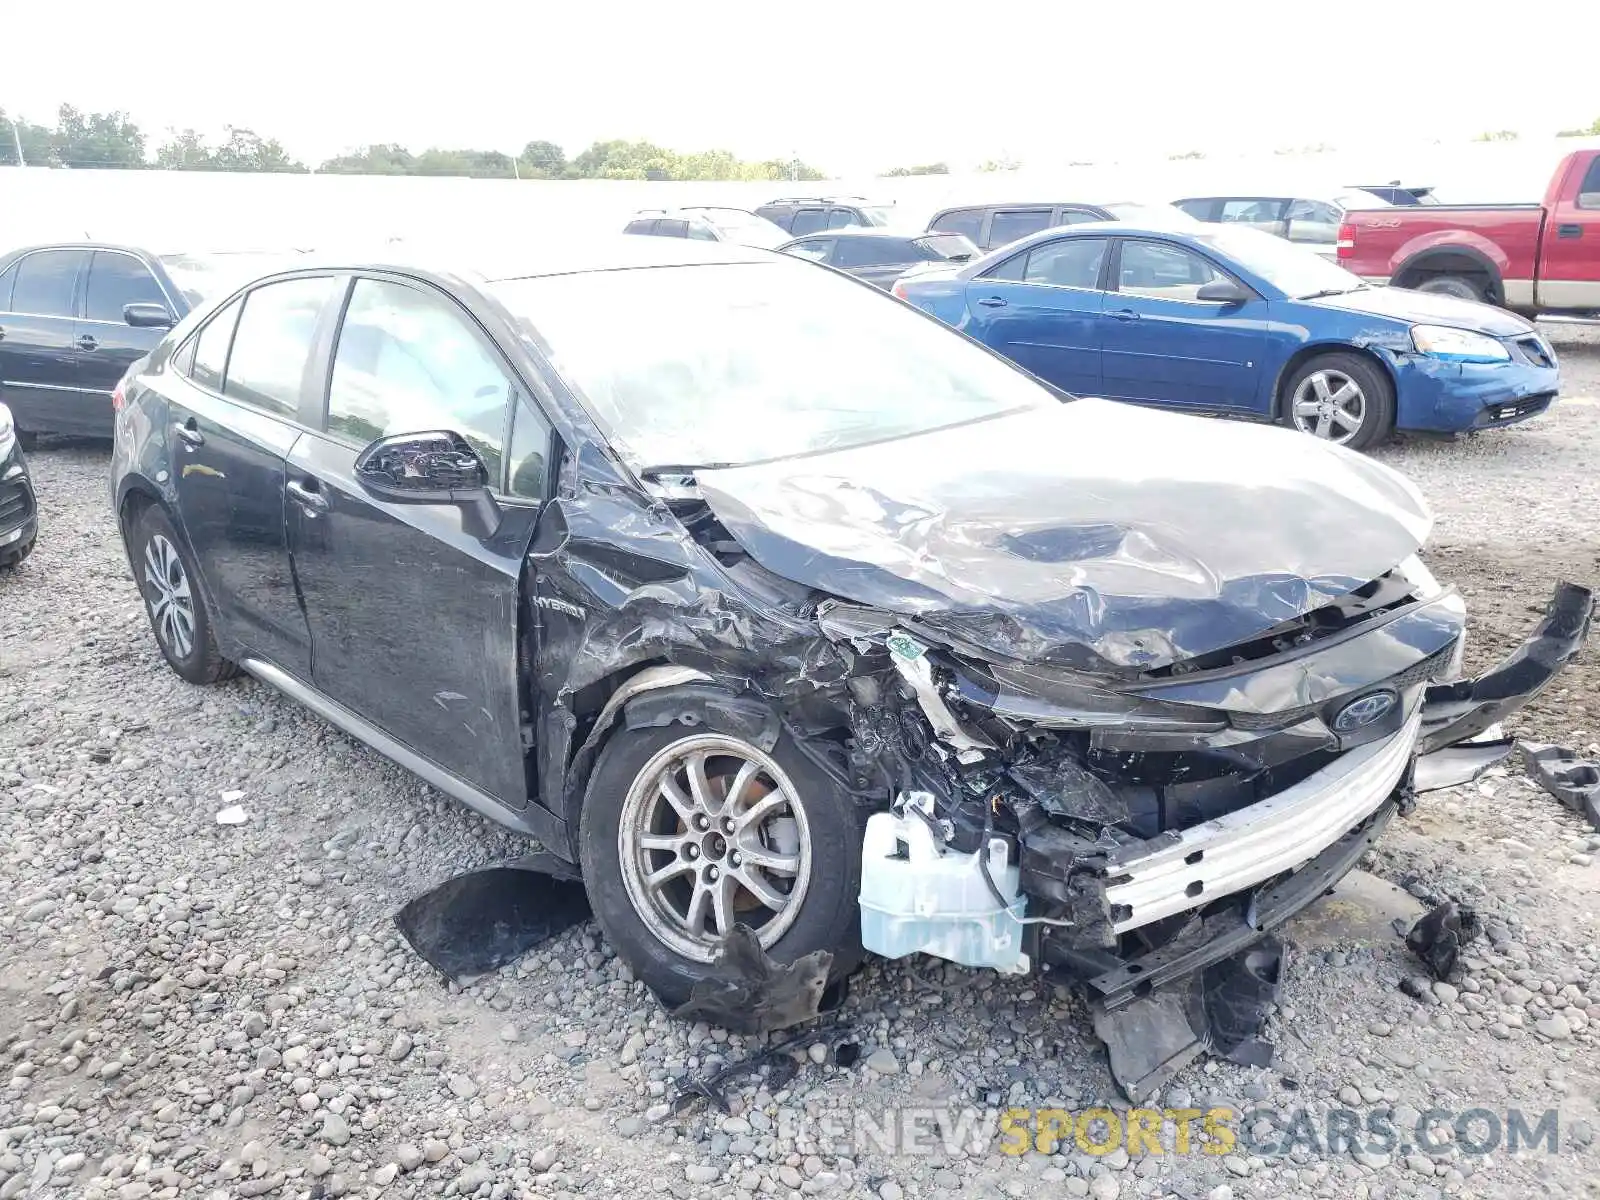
(1137, 829)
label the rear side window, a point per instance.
(808, 220)
(1073, 262)
(116, 280)
(672, 228)
(45, 282)
(701, 233)
(273, 343)
(966, 221)
(1007, 227)
(408, 362)
(1077, 216)
(640, 227)
(1589, 189)
(211, 348)
(869, 252)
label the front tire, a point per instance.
(687, 831)
(175, 600)
(1459, 286)
(1340, 397)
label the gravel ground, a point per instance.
(189, 1009)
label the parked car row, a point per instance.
(742, 588)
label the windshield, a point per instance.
(951, 246)
(1152, 216)
(733, 364)
(200, 276)
(1297, 272)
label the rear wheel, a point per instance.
(1342, 398)
(175, 600)
(688, 831)
(1461, 286)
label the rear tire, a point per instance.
(653, 926)
(1328, 392)
(181, 615)
(1462, 287)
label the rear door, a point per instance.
(413, 610)
(40, 374)
(233, 420)
(109, 344)
(1041, 309)
(1569, 260)
(1163, 345)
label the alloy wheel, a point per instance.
(713, 834)
(1329, 404)
(167, 592)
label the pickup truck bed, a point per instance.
(1534, 258)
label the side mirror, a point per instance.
(1222, 291)
(437, 467)
(147, 316)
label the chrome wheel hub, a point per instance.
(713, 835)
(1330, 405)
(167, 592)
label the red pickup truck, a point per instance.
(1533, 258)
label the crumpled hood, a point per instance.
(1089, 534)
(1428, 308)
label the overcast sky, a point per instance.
(870, 85)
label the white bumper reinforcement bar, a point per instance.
(1233, 852)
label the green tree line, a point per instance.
(113, 140)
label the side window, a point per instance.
(183, 361)
(817, 249)
(44, 283)
(1163, 271)
(965, 221)
(1007, 227)
(1312, 221)
(646, 226)
(530, 449)
(1072, 262)
(116, 280)
(868, 252)
(808, 220)
(1589, 189)
(1010, 271)
(1200, 210)
(7, 278)
(1265, 215)
(409, 362)
(701, 232)
(273, 343)
(211, 347)
(672, 228)
(839, 218)
(1077, 216)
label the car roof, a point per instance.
(618, 252)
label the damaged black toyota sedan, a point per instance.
(786, 613)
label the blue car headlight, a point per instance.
(1457, 345)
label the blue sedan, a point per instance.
(1237, 322)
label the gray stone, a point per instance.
(883, 1061)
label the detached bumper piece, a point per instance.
(1456, 712)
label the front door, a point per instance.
(414, 608)
(233, 421)
(1569, 257)
(1163, 345)
(40, 375)
(1041, 309)
(108, 344)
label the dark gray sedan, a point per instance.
(880, 256)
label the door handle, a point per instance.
(992, 302)
(86, 341)
(1569, 231)
(308, 498)
(189, 433)
(1123, 314)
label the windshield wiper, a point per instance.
(1334, 292)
